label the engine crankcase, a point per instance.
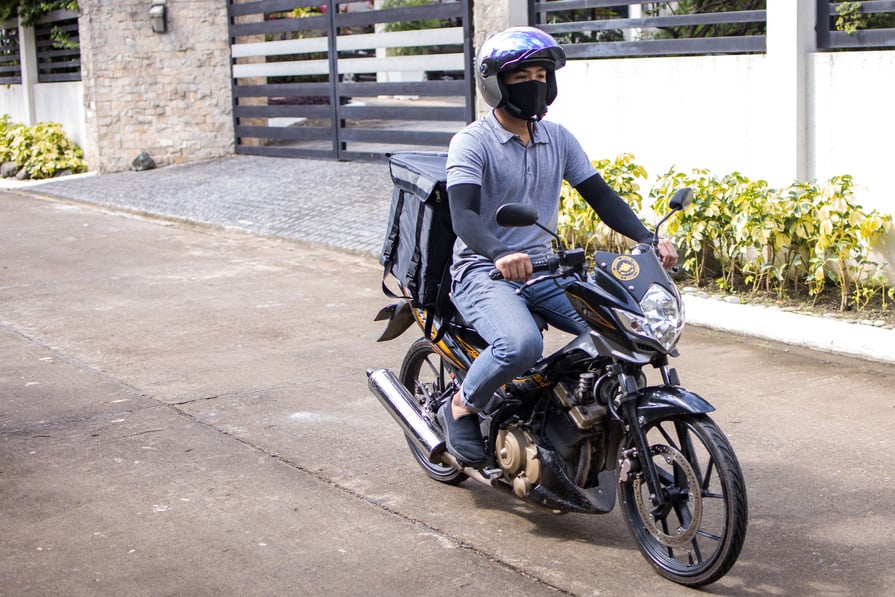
(517, 455)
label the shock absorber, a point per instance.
(585, 390)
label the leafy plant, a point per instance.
(851, 18)
(579, 225)
(685, 7)
(741, 232)
(42, 150)
(709, 247)
(415, 26)
(844, 238)
(588, 14)
(29, 11)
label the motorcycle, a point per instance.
(582, 427)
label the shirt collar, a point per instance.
(504, 135)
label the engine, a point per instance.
(517, 454)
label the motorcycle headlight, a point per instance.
(662, 320)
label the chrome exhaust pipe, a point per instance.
(400, 404)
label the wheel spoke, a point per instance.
(668, 438)
(434, 370)
(696, 552)
(708, 535)
(688, 450)
(707, 479)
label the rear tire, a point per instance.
(425, 374)
(698, 537)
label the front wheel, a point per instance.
(426, 376)
(696, 537)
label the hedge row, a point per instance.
(741, 234)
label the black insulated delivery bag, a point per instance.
(419, 239)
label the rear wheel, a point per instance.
(428, 379)
(697, 536)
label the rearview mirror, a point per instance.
(516, 215)
(682, 198)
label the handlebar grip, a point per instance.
(542, 264)
(545, 264)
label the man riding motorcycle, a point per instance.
(512, 155)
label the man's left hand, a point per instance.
(667, 253)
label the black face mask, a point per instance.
(527, 100)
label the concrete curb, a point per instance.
(814, 332)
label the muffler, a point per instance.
(400, 404)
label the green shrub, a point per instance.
(743, 235)
(797, 239)
(579, 226)
(42, 150)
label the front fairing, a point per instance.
(632, 274)
(620, 282)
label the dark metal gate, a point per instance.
(349, 80)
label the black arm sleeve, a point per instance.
(612, 209)
(465, 201)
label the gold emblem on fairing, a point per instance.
(625, 268)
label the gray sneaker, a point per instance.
(462, 436)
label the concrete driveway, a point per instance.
(183, 411)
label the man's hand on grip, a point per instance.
(515, 267)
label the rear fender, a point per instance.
(658, 402)
(400, 317)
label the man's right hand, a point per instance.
(515, 267)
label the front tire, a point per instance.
(426, 376)
(697, 537)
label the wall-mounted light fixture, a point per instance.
(158, 15)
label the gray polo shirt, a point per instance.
(486, 154)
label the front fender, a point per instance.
(659, 402)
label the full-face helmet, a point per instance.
(511, 49)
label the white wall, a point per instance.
(852, 122)
(686, 112)
(62, 103)
(53, 102)
(719, 112)
(12, 103)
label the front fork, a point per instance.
(637, 460)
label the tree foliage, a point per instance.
(851, 18)
(687, 7)
(31, 10)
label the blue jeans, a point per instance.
(504, 320)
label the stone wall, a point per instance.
(164, 93)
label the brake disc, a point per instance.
(681, 536)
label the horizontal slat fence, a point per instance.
(602, 29)
(58, 47)
(349, 82)
(10, 59)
